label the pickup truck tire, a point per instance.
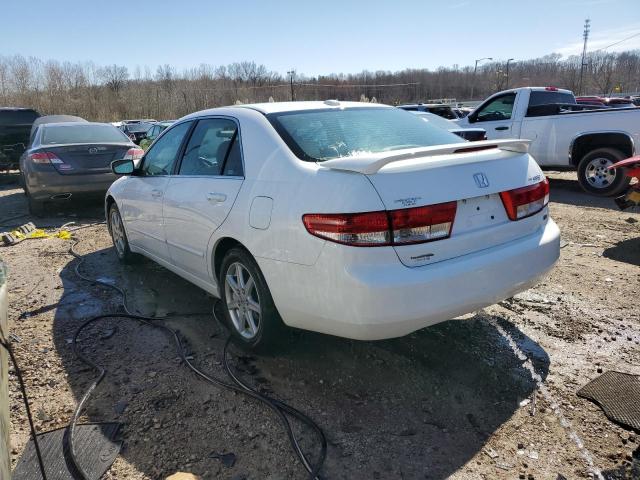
(595, 178)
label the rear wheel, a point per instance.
(595, 177)
(248, 307)
(36, 207)
(119, 236)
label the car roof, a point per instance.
(74, 124)
(277, 107)
(58, 119)
(17, 109)
(428, 105)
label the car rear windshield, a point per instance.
(138, 127)
(317, 135)
(17, 117)
(545, 98)
(79, 133)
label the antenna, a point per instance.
(585, 36)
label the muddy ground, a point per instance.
(451, 401)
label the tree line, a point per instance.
(113, 92)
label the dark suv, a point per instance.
(440, 109)
(15, 128)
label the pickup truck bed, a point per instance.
(564, 134)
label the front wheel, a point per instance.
(596, 178)
(248, 307)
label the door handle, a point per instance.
(156, 193)
(216, 197)
(502, 128)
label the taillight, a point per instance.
(394, 227)
(134, 154)
(526, 201)
(368, 229)
(422, 224)
(44, 158)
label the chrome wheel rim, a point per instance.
(598, 174)
(243, 301)
(117, 232)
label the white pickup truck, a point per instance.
(563, 133)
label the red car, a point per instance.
(613, 102)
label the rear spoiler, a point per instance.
(368, 164)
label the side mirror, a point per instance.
(122, 167)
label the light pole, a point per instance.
(508, 72)
(475, 69)
(291, 73)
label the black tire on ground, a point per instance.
(36, 207)
(125, 255)
(271, 334)
(592, 176)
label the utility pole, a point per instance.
(291, 73)
(585, 36)
(475, 69)
(507, 86)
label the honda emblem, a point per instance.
(481, 180)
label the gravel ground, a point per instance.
(451, 401)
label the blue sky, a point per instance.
(319, 37)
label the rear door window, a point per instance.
(208, 147)
(161, 157)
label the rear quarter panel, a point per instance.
(296, 187)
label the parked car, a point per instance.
(136, 131)
(597, 101)
(52, 119)
(442, 110)
(351, 219)
(154, 132)
(15, 126)
(470, 134)
(71, 160)
(564, 134)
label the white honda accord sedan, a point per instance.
(349, 219)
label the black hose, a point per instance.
(281, 409)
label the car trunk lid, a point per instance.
(89, 158)
(472, 175)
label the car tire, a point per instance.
(36, 207)
(595, 178)
(248, 308)
(119, 236)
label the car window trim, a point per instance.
(183, 148)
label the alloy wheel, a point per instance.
(117, 232)
(243, 300)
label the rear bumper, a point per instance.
(384, 299)
(47, 185)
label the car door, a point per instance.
(199, 198)
(496, 117)
(142, 195)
